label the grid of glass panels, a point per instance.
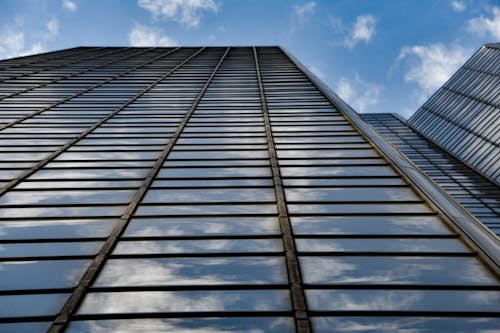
(476, 193)
(42, 117)
(367, 244)
(463, 116)
(164, 210)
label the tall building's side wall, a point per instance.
(463, 116)
(215, 190)
(472, 190)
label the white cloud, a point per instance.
(187, 12)
(52, 29)
(69, 5)
(361, 30)
(13, 41)
(301, 13)
(458, 5)
(142, 35)
(430, 66)
(360, 94)
(485, 26)
(35, 48)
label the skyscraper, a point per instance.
(474, 191)
(454, 137)
(463, 116)
(219, 189)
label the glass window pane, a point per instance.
(185, 301)
(199, 246)
(18, 250)
(337, 171)
(12, 306)
(82, 156)
(403, 300)
(350, 194)
(405, 324)
(185, 325)
(338, 182)
(346, 208)
(17, 275)
(64, 212)
(206, 210)
(213, 183)
(214, 172)
(395, 270)
(209, 195)
(36, 327)
(342, 153)
(89, 173)
(202, 155)
(368, 225)
(416, 245)
(193, 271)
(47, 197)
(203, 226)
(40, 229)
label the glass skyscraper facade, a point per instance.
(475, 192)
(463, 116)
(220, 189)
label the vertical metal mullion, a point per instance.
(76, 139)
(297, 293)
(31, 115)
(60, 78)
(97, 264)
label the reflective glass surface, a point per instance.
(90, 173)
(214, 172)
(197, 246)
(186, 301)
(416, 245)
(204, 210)
(210, 245)
(66, 197)
(369, 225)
(12, 306)
(186, 325)
(337, 171)
(209, 195)
(405, 324)
(40, 229)
(350, 194)
(35, 327)
(193, 271)
(346, 208)
(19, 250)
(404, 300)
(17, 275)
(395, 271)
(202, 226)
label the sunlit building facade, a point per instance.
(221, 189)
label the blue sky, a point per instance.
(380, 56)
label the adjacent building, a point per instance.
(454, 137)
(479, 195)
(220, 189)
(463, 116)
